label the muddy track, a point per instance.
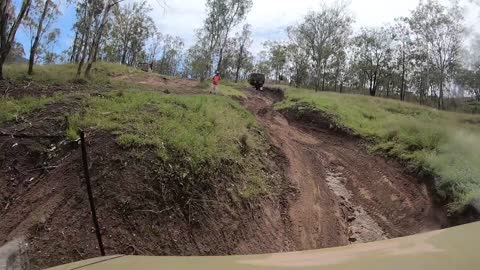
(346, 195)
(332, 193)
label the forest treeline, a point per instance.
(428, 55)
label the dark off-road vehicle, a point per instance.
(257, 80)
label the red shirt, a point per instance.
(216, 79)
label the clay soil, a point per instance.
(163, 83)
(332, 192)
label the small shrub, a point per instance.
(73, 125)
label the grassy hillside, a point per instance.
(442, 143)
(209, 133)
(203, 134)
(226, 88)
(65, 73)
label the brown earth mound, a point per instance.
(164, 84)
(21, 89)
(144, 206)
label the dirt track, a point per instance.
(340, 195)
(346, 195)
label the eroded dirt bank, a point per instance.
(346, 195)
(330, 192)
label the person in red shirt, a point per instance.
(216, 82)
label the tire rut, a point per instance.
(346, 195)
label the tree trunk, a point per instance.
(85, 48)
(337, 72)
(33, 50)
(92, 58)
(86, 25)
(370, 87)
(74, 47)
(441, 104)
(323, 81)
(124, 57)
(239, 63)
(79, 49)
(2, 61)
(324, 71)
(402, 87)
(220, 58)
(7, 38)
(133, 59)
(374, 87)
(317, 77)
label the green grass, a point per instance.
(226, 88)
(238, 85)
(441, 143)
(207, 132)
(199, 135)
(11, 109)
(231, 92)
(65, 73)
(207, 84)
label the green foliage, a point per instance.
(231, 91)
(226, 88)
(239, 86)
(207, 131)
(205, 84)
(12, 108)
(73, 123)
(446, 144)
(65, 73)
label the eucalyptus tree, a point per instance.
(9, 23)
(131, 27)
(277, 57)
(325, 33)
(297, 57)
(373, 51)
(222, 17)
(37, 23)
(243, 41)
(230, 13)
(171, 48)
(439, 32)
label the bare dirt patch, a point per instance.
(22, 89)
(163, 83)
(142, 205)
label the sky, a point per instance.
(269, 18)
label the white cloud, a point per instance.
(269, 18)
